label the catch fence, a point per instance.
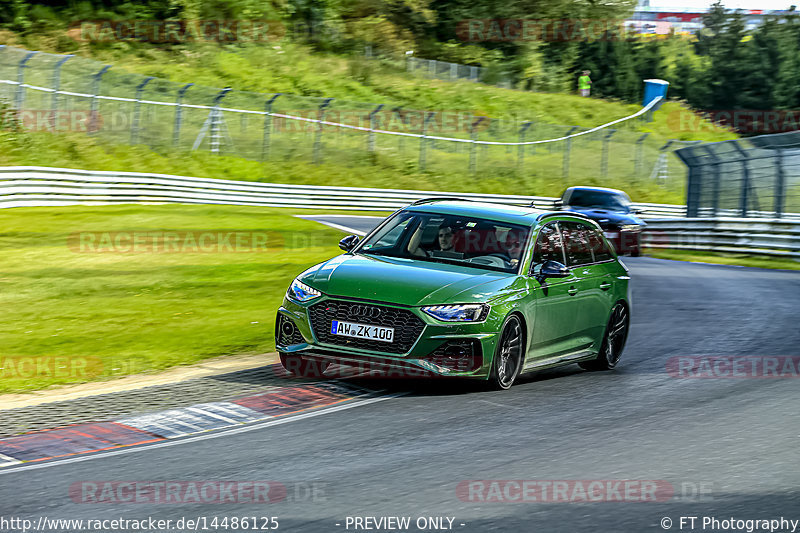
(65, 93)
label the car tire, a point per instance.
(614, 338)
(508, 354)
(302, 367)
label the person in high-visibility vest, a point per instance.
(585, 83)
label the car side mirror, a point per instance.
(348, 243)
(552, 269)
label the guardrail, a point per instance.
(43, 186)
(776, 237)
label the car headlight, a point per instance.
(301, 292)
(458, 313)
(630, 227)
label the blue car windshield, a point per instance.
(462, 240)
(602, 199)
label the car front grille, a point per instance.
(407, 326)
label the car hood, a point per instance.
(607, 216)
(403, 281)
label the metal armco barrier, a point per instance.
(776, 237)
(42, 186)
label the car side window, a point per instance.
(599, 246)
(576, 243)
(548, 247)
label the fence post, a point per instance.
(745, 181)
(137, 108)
(567, 149)
(638, 158)
(371, 136)
(315, 156)
(604, 153)
(21, 80)
(56, 88)
(265, 146)
(473, 73)
(473, 147)
(401, 142)
(423, 141)
(521, 147)
(780, 183)
(715, 200)
(95, 93)
(176, 129)
(453, 71)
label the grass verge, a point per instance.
(79, 308)
(758, 261)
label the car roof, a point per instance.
(598, 189)
(512, 214)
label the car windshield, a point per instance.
(468, 241)
(604, 199)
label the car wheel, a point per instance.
(508, 355)
(613, 341)
(300, 366)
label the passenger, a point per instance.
(513, 246)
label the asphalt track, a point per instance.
(734, 439)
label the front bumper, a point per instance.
(445, 349)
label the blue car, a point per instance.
(610, 208)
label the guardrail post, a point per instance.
(137, 109)
(638, 157)
(567, 149)
(95, 93)
(521, 147)
(20, 97)
(473, 147)
(176, 129)
(423, 140)
(56, 87)
(371, 136)
(315, 156)
(604, 153)
(265, 143)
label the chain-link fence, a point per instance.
(65, 93)
(443, 70)
(755, 177)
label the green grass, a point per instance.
(393, 167)
(113, 314)
(758, 261)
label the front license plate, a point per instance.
(362, 331)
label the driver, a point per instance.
(445, 240)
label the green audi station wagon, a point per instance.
(466, 289)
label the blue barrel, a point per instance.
(653, 89)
